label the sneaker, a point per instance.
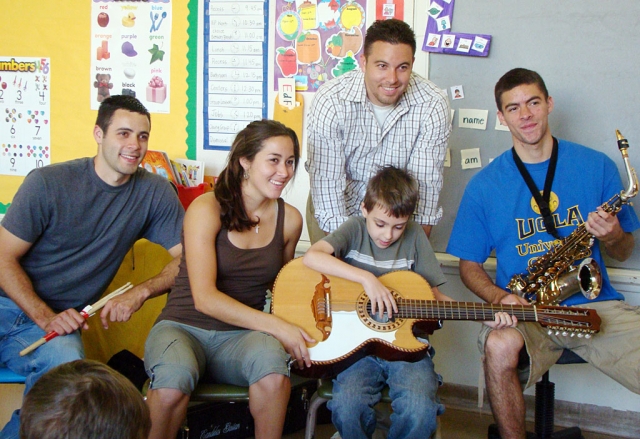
(336, 435)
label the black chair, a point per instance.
(544, 409)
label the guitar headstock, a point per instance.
(561, 320)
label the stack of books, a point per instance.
(182, 172)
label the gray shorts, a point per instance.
(178, 356)
(615, 350)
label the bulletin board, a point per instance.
(61, 33)
(583, 49)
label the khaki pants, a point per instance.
(315, 232)
(615, 350)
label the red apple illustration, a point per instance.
(103, 19)
(287, 61)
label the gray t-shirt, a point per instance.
(413, 252)
(81, 228)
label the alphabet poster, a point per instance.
(25, 132)
(131, 51)
(317, 40)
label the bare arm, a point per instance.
(201, 226)
(475, 278)
(617, 243)
(121, 308)
(427, 229)
(320, 258)
(292, 231)
(16, 283)
(438, 295)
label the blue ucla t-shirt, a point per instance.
(498, 213)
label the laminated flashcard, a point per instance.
(470, 158)
(474, 119)
(440, 22)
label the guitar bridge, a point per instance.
(321, 307)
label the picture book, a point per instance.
(190, 171)
(158, 162)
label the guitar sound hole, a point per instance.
(376, 317)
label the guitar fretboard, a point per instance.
(446, 310)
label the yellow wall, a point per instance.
(61, 31)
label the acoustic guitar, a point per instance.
(337, 314)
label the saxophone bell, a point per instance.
(584, 278)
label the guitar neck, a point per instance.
(445, 310)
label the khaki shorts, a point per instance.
(315, 232)
(178, 356)
(615, 350)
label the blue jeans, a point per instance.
(17, 332)
(412, 388)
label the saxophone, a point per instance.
(552, 278)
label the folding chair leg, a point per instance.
(314, 405)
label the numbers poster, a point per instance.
(25, 133)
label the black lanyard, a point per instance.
(543, 201)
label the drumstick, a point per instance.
(87, 312)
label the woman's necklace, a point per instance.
(257, 226)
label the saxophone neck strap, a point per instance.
(542, 200)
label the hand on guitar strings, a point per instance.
(502, 320)
(380, 297)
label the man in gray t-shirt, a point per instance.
(65, 235)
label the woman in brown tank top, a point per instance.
(236, 239)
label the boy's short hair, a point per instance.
(84, 399)
(394, 190)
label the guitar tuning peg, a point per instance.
(573, 334)
(549, 332)
(580, 335)
(587, 336)
(557, 333)
(565, 333)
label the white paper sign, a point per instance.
(474, 119)
(287, 92)
(447, 159)
(499, 125)
(470, 158)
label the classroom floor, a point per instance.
(454, 424)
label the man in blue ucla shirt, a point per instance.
(500, 211)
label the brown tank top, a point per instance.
(245, 275)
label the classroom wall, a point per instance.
(585, 50)
(61, 31)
